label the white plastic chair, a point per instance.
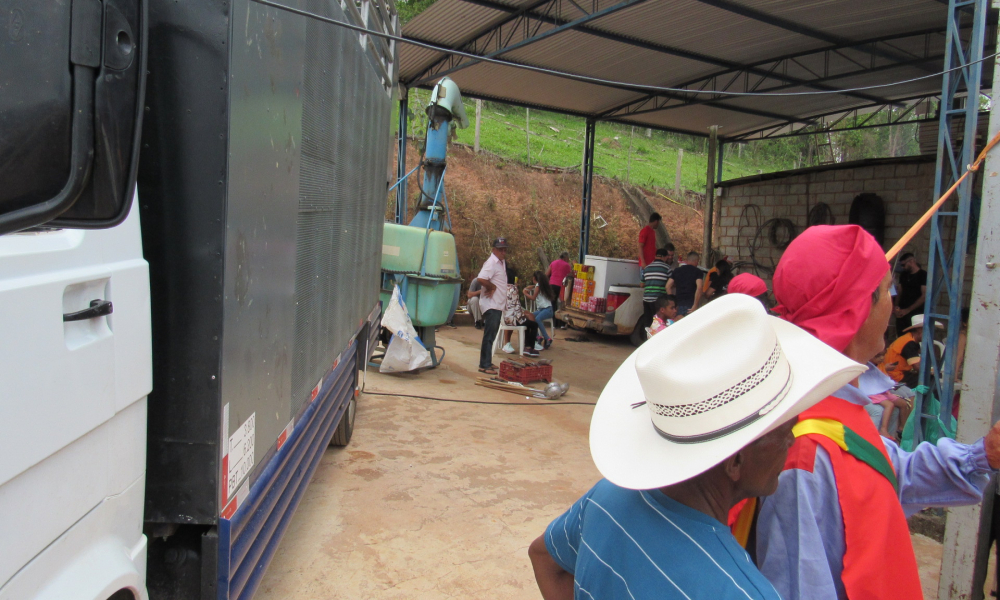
(520, 337)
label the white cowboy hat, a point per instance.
(917, 321)
(705, 387)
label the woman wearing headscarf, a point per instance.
(836, 528)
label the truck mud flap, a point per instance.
(248, 538)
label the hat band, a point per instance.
(718, 433)
(724, 397)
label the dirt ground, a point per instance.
(438, 499)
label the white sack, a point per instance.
(405, 351)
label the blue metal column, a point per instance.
(588, 187)
(946, 262)
(404, 119)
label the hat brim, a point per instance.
(937, 325)
(630, 453)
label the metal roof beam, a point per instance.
(679, 52)
(513, 14)
(571, 77)
(814, 83)
(771, 70)
(771, 131)
(575, 113)
(787, 25)
(536, 38)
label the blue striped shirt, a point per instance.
(641, 545)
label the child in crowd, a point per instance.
(884, 403)
(666, 314)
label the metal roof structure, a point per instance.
(755, 46)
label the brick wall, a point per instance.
(906, 187)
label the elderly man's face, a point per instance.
(764, 460)
(870, 339)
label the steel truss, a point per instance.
(860, 118)
(946, 264)
(867, 56)
(812, 69)
(539, 20)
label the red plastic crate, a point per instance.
(514, 372)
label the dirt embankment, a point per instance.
(490, 197)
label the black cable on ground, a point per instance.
(553, 402)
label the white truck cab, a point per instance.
(189, 278)
(73, 399)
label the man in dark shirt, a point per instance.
(912, 290)
(685, 284)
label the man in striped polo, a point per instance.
(681, 438)
(654, 280)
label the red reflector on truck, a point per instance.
(616, 299)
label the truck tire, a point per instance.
(342, 436)
(638, 335)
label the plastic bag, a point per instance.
(933, 429)
(405, 351)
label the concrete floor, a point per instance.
(438, 500)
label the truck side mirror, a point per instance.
(72, 80)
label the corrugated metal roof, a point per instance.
(734, 45)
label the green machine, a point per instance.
(420, 258)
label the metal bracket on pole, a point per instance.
(588, 187)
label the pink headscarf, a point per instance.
(825, 280)
(747, 283)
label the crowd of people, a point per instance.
(754, 476)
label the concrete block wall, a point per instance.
(906, 186)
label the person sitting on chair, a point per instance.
(515, 316)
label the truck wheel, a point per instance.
(345, 429)
(638, 335)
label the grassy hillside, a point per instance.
(557, 140)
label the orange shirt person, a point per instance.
(902, 357)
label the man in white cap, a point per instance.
(681, 438)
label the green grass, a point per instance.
(557, 140)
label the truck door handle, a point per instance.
(98, 308)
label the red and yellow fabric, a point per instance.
(877, 541)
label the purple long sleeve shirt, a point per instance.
(800, 531)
